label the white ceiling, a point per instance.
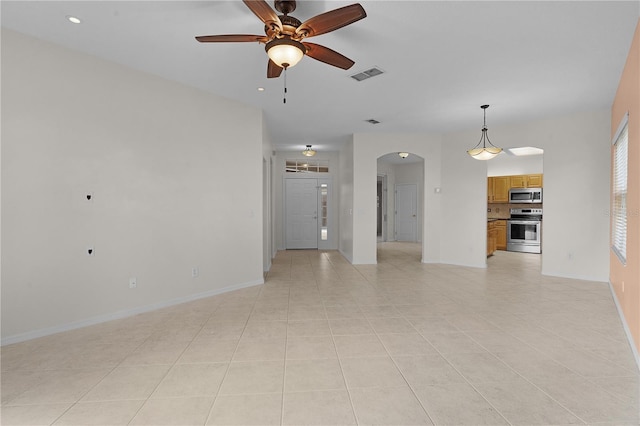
(442, 59)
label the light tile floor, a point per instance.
(326, 342)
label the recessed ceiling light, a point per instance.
(73, 19)
(525, 150)
(260, 89)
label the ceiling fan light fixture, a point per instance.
(308, 152)
(484, 152)
(285, 52)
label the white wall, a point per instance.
(507, 165)
(464, 203)
(176, 176)
(575, 228)
(576, 182)
(345, 192)
(268, 209)
(366, 150)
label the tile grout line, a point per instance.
(284, 366)
(516, 372)
(335, 348)
(224, 376)
(413, 392)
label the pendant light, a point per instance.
(308, 152)
(485, 152)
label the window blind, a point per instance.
(619, 208)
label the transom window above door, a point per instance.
(306, 166)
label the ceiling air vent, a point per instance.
(367, 74)
(372, 121)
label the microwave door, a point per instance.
(521, 197)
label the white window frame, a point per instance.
(619, 190)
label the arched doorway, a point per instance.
(400, 199)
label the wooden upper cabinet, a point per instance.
(498, 186)
(526, 181)
(519, 181)
(534, 181)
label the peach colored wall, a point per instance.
(628, 100)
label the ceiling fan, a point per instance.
(285, 34)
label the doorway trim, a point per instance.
(382, 178)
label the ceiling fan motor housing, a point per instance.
(284, 6)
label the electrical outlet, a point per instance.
(133, 283)
(195, 272)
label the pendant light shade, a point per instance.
(484, 152)
(308, 151)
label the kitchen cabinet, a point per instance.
(519, 181)
(525, 181)
(498, 189)
(534, 181)
(492, 237)
(501, 234)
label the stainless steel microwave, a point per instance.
(525, 195)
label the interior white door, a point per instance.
(301, 199)
(407, 212)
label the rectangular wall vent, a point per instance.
(367, 74)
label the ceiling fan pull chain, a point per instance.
(284, 100)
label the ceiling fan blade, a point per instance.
(328, 56)
(330, 21)
(227, 38)
(273, 71)
(263, 11)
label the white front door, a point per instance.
(301, 199)
(407, 212)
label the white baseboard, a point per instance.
(122, 314)
(345, 256)
(627, 331)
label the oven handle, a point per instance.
(523, 222)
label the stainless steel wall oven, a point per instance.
(524, 231)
